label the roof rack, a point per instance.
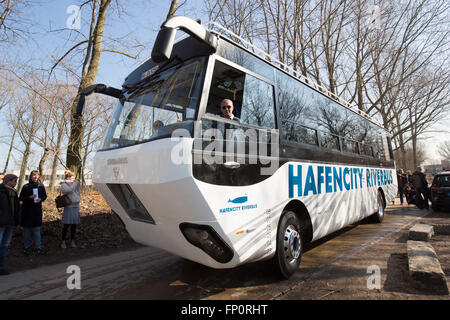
(210, 25)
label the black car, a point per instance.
(440, 191)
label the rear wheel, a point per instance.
(289, 244)
(378, 216)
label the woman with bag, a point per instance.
(71, 213)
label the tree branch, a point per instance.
(65, 55)
(120, 52)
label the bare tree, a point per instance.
(444, 149)
(26, 117)
(13, 22)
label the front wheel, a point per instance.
(289, 244)
(378, 216)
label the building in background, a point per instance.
(432, 169)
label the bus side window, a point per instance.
(258, 105)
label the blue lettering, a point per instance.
(328, 186)
(320, 179)
(368, 178)
(346, 174)
(360, 172)
(354, 181)
(295, 180)
(337, 178)
(310, 184)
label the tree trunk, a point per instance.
(74, 149)
(86, 151)
(43, 160)
(173, 8)
(23, 167)
(10, 150)
(55, 159)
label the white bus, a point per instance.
(301, 163)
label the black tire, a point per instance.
(435, 207)
(289, 244)
(378, 216)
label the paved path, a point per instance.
(334, 266)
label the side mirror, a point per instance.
(162, 49)
(81, 103)
(97, 88)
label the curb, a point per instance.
(421, 232)
(423, 263)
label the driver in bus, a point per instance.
(226, 107)
(158, 124)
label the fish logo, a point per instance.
(239, 200)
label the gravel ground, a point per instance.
(100, 232)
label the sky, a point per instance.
(47, 42)
(140, 22)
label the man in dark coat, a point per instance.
(32, 195)
(401, 181)
(9, 216)
(421, 186)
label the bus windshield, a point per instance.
(166, 98)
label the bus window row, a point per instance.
(297, 133)
(311, 118)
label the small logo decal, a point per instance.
(116, 171)
(239, 200)
(236, 205)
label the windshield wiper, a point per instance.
(145, 81)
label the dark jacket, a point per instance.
(401, 180)
(31, 211)
(419, 182)
(9, 207)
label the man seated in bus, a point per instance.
(226, 107)
(157, 125)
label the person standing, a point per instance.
(420, 185)
(71, 213)
(32, 196)
(408, 176)
(401, 181)
(9, 216)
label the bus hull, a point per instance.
(245, 217)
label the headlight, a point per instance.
(207, 239)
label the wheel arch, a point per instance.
(380, 190)
(302, 214)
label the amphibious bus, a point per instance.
(300, 164)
